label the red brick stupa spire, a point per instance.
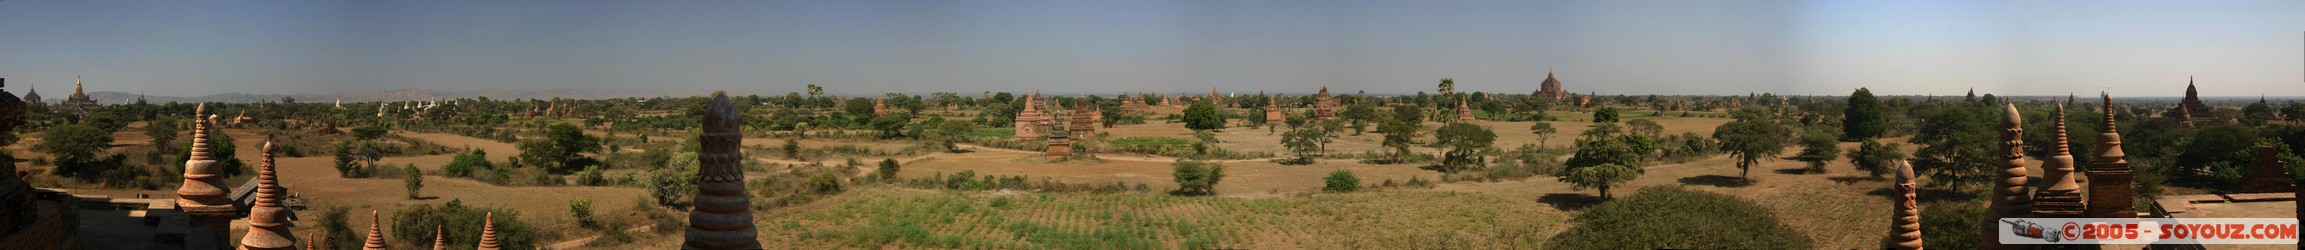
(722, 218)
(2062, 197)
(439, 237)
(2009, 197)
(1905, 228)
(2110, 194)
(375, 233)
(203, 194)
(267, 220)
(488, 234)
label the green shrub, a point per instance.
(581, 210)
(888, 168)
(1197, 178)
(463, 225)
(1952, 225)
(1671, 217)
(1342, 181)
(824, 183)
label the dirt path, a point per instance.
(578, 243)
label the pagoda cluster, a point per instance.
(2058, 195)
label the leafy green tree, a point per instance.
(1751, 141)
(1645, 127)
(414, 180)
(1464, 142)
(347, 161)
(1876, 158)
(464, 164)
(163, 133)
(1197, 178)
(1303, 142)
(1958, 144)
(891, 126)
(562, 145)
(1544, 131)
(861, 108)
(1358, 115)
(1448, 86)
(1865, 117)
(2224, 145)
(673, 184)
(1341, 181)
(1602, 130)
(1605, 115)
(1203, 116)
(74, 143)
(1600, 177)
(1818, 149)
(1401, 131)
(369, 132)
(1618, 150)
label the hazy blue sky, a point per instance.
(189, 48)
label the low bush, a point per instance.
(1341, 181)
(1676, 218)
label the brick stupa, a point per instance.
(1324, 105)
(2110, 193)
(2009, 199)
(488, 234)
(375, 233)
(2061, 198)
(2268, 174)
(268, 227)
(722, 218)
(1059, 143)
(202, 196)
(1273, 113)
(1028, 120)
(1084, 117)
(1464, 112)
(1905, 227)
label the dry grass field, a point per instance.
(1261, 204)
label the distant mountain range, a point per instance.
(114, 97)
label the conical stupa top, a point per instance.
(2062, 147)
(1905, 227)
(2060, 164)
(2109, 141)
(2009, 197)
(722, 218)
(375, 232)
(76, 84)
(439, 237)
(2189, 90)
(267, 225)
(488, 233)
(203, 186)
